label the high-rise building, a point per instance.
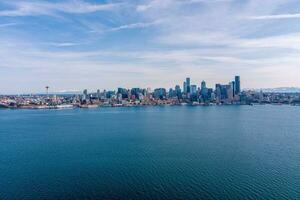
(148, 90)
(104, 94)
(123, 92)
(204, 92)
(184, 87)
(218, 92)
(210, 94)
(203, 85)
(188, 85)
(232, 83)
(98, 94)
(193, 89)
(160, 93)
(222, 91)
(178, 91)
(171, 93)
(85, 94)
(136, 92)
(229, 92)
(237, 85)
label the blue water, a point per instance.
(225, 152)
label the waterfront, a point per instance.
(229, 94)
(184, 152)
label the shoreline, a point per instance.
(93, 106)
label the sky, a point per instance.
(71, 45)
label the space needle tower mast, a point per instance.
(47, 91)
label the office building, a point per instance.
(188, 85)
(237, 85)
(193, 89)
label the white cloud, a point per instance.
(195, 38)
(47, 8)
(141, 8)
(8, 24)
(166, 4)
(204, 39)
(75, 69)
(63, 44)
(270, 17)
(135, 25)
(286, 41)
(154, 4)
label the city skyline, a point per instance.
(77, 44)
(197, 84)
(186, 86)
(189, 94)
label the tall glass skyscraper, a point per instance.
(237, 85)
(184, 87)
(193, 89)
(203, 85)
(188, 85)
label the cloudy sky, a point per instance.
(77, 44)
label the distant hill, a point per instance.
(67, 92)
(280, 90)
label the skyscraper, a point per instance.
(203, 90)
(203, 85)
(218, 92)
(193, 89)
(229, 92)
(85, 94)
(232, 83)
(184, 87)
(160, 93)
(237, 85)
(98, 94)
(178, 91)
(188, 85)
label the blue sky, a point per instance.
(77, 44)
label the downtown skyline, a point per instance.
(189, 94)
(76, 44)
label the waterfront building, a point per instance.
(123, 92)
(229, 92)
(203, 85)
(160, 93)
(178, 91)
(136, 92)
(193, 89)
(171, 93)
(111, 95)
(261, 96)
(237, 85)
(149, 90)
(188, 85)
(141, 96)
(184, 87)
(84, 96)
(98, 94)
(223, 94)
(218, 92)
(210, 94)
(119, 96)
(232, 83)
(104, 94)
(203, 91)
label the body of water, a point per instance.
(218, 152)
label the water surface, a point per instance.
(222, 152)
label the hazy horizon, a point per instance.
(105, 44)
